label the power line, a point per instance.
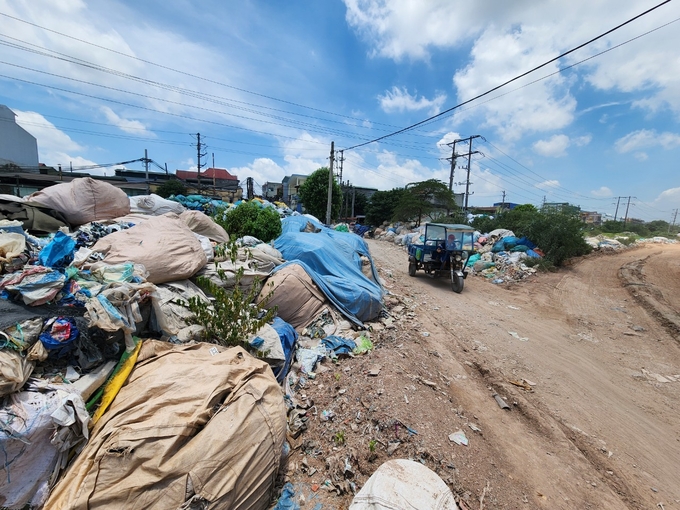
(512, 79)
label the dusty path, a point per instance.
(601, 428)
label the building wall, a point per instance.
(17, 145)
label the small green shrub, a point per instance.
(250, 219)
(232, 316)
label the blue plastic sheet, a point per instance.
(59, 252)
(339, 345)
(287, 499)
(333, 260)
(288, 337)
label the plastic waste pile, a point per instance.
(98, 350)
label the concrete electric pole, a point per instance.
(330, 185)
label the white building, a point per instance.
(17, 145)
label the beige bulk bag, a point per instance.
(204, 225)
(164, 245)
(297, 297)
(84, 200)
(196, 426)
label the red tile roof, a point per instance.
(209, 173)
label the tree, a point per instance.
(314, 195)
(250, 219)
(426, 198)
(382, 205)
(171, 187)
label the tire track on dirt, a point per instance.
(649, 296)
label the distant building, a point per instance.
(17, 146)
(272, 190)
(217, 182)
(505, 205)
(591, 218)
(562, 207)
(291, 185)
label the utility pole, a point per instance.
(625, 220)
(674, 218)
(199, 155)
(503, 201)
(452, 159)
(250, 192)
(330, 185)
(341, 159)
(146, 171)
(469, 155)
(354, 195)
(618, 199)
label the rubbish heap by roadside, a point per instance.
(498, 256)
(103, 373)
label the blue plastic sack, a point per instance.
(59, 251)
(510, 242)
(533, 254)
(59, 336)
(339, 345)
(287, 501)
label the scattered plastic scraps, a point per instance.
(338, 345)
(459, 437)
(287, 499)
(36, 284)
(308, 358)
(501, 403)
(363, 344)
(514, 334)
(327, 415)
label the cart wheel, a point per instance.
(411, 268)
(457, 283)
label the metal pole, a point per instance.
(330, 186)
(146, 166)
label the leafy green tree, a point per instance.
(424, 199)
(559, 235)
(381, 206)
(171, 187)
(658, 227)
(250, 219)
(314, 195)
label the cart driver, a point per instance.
(441, 254)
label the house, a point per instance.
(591, 217)
(17, 146)
(291, 185)
(216, 181)
(272, 190)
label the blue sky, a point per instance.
(270, 84)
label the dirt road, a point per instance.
(597, 429)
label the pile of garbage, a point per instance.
(212, 205)
(104, 376)
(498, 255)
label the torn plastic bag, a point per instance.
(40, 426)
(308, 358)
(171, 315)
(276, 341)
(59, 252)
(36, 284)
(338, 345)
(59, 336)
(401, 484)
(16, 368)
(196, 426)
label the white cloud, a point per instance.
(641, 156)
(554, 147)
(399, 100)
(647, 139)
(549, 184)
(54, 146)
(602, 192)
(129, 126)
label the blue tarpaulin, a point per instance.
(288, 337)
(333, 260)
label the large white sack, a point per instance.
(84, 200)
(154, 205)
(402, 484)
(166, 247)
